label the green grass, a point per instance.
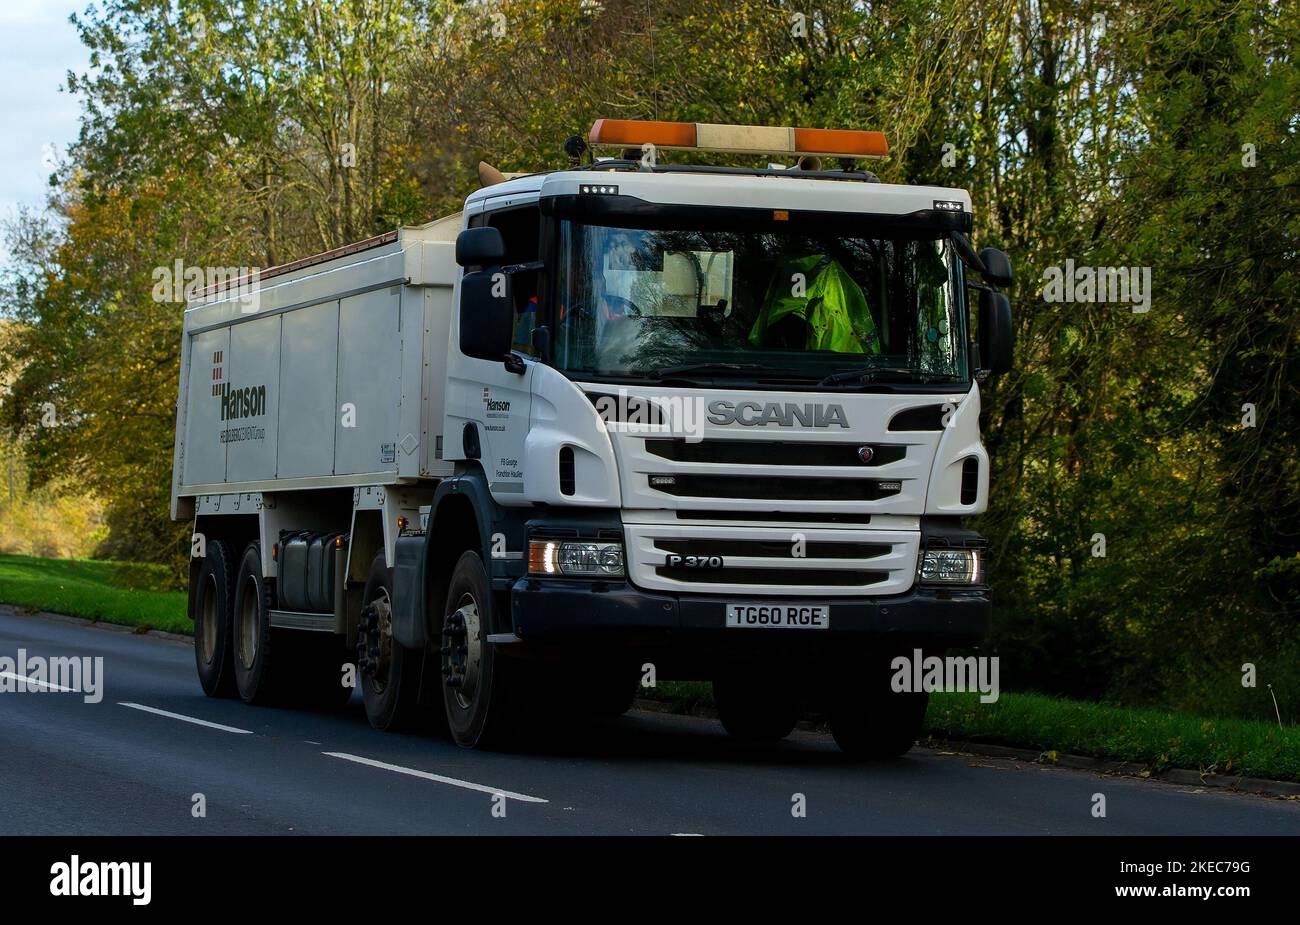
(115, 592)
(1155, 738)
(133, 595)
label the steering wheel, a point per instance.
(621, 307)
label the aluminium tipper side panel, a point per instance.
(369, 383)
(252, 441)
(309, 343)
(204, 460)
(438, 307)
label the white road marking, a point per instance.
(437, 778)
(49, 686)
(186, 719)
(688, 834)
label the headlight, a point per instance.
(575, 558)
(952, 567)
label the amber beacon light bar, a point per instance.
(740, 139)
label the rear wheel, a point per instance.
(211, 613)
(262, 656)
(482, 689)
(754, 707)
(390, 673)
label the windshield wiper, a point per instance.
(754, 371)
(871, 373)
(670, 371)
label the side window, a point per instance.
(521, 229)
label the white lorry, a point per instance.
(614, 424)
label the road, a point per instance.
(74, 768)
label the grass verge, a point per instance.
(1155, 738)
(121, 593)
(115, 592)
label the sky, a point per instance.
(38, 46)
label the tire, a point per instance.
(263, 659)
(389, 673)
(753, 707)
(482, 690)
(877, 725)
(213, 592)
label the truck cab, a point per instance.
(722, 424)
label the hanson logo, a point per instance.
(494, 404)
(242, 403)
(751, 413)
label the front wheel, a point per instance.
(482, 693)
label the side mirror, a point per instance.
(997, 338)
(487, 313)
(480, 247)
(997, 266)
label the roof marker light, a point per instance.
(739, 139)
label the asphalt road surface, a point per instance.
(133, 762)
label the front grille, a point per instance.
(759, 453)
(770, 488)
(773, 549)
(790, 577)
(776, 517)
(753, 559)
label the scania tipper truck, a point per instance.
(611, 425)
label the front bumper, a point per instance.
(550, 609)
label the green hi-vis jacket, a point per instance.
(831, 303)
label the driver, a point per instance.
(814, 304)
(610, 310)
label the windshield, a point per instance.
(757, 304)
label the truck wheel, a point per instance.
(213, 592)
(261, 658)
(481, 692)
(882, 726)
(754, 708)
(390, 673)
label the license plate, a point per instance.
(779, 616)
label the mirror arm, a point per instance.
(524, 267)
(966, 251)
